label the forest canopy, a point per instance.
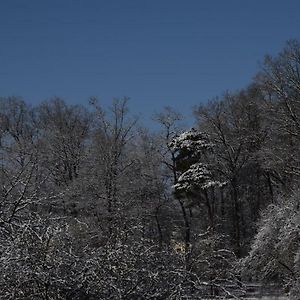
(94, 206)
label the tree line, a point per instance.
(95, 206)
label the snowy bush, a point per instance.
(274, 255)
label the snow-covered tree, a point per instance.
(196, 177)
(274, 254)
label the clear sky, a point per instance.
(157, 52)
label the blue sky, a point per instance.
(157, 52)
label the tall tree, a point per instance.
(63, 134)
(112, 132)
(279, 80)
(234, 125)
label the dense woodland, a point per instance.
(94, 206)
